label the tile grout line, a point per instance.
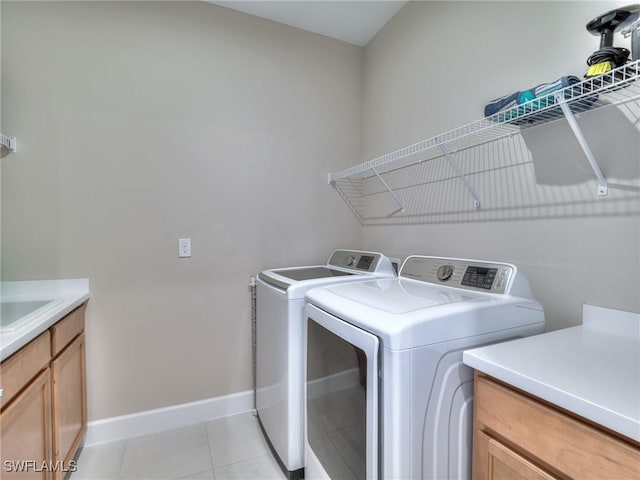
(124, 453)
(213, 468)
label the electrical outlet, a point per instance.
(184, 247)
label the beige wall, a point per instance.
(141, 123)
(433, 68)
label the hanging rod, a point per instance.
(9, 142)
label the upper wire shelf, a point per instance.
(616, 87)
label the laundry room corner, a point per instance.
(319, 239)
(432, 68)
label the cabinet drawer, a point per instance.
(22, 366)
(551, 437)
(66, 330)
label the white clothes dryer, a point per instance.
(387, 394)
(280, 344)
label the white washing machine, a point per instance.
(387, 395)
(280, 344)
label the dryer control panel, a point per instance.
(455, 272)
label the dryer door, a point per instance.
(342, 399)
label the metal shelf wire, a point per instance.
(8, 142)
(394, 173)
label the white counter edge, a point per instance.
(69, 293)
(616, 324)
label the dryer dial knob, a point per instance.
(351, 261)
(445, 272)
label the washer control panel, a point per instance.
(445, 272)
(468, 274)
(362, 261)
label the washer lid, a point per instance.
(343, 266)
(296, 281)
(308, 273)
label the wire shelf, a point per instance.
(378, 189)
(8, 142)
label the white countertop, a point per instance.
(65, 296)
(592, 370)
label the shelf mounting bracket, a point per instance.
(9, 142)
(454, 165)
(393, 195)
(603, 188)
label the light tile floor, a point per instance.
(226, 448)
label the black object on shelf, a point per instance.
(609, 57)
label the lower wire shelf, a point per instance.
(469, 173)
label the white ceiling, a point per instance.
(354, 22)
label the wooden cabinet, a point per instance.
(69, 401)
(517, 436)
(43, 412)
(69, 390)
(500, 462)
(25, 431)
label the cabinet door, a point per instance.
(558, 441)
(25, 432)
(502, 463)
(69, 402)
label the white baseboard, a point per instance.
(169, 418)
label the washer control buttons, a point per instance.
(445, 272)
(365, 262)
(479, 277)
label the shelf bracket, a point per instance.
(393, 195)
(603, 188)
(454, 165)
(9, 142)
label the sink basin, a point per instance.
(12, 311)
